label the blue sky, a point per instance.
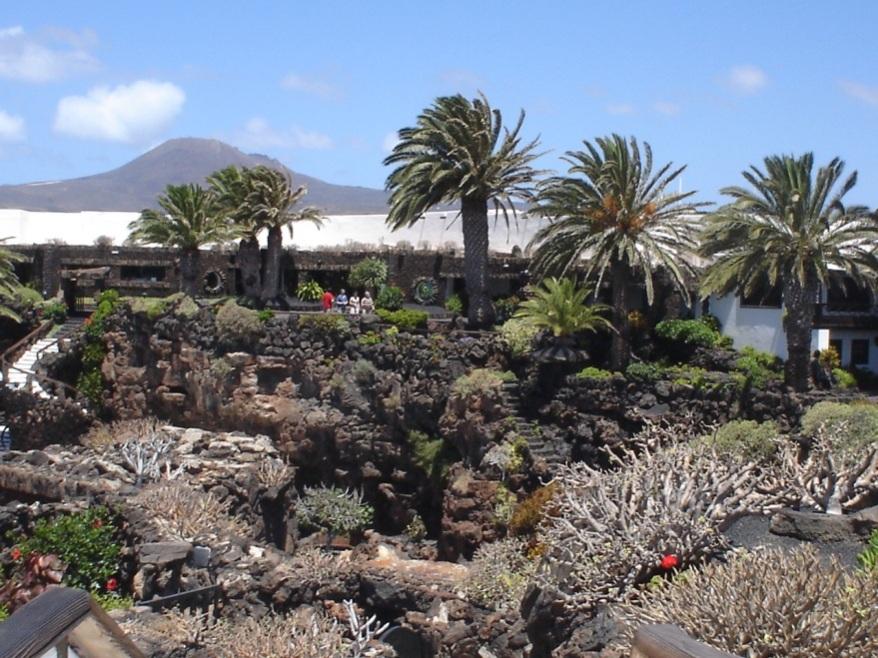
(86, 86)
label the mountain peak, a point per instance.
(137, 184)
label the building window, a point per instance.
(845, 295)
(764, 296)
(142, 273)
(860, 352)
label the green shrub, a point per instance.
(404, 319)
(390, 298)
(369, 338)
(309, 291)
(336, 510)
(746, 438)
(237, 325)
(265, 315)
(55, 311)
(505, 307)
(480, 381)
(27, 296)
(844, 379)
(847, 426)
(84, 542)
(757, 367)
(829, 358)
(529, 513)
(692, 333)
(363, 371)
(591, 372)
(500, 574)
(330, 323)
(430, 455)
(369, 274)
(688, 376)
(504, 505)
(454, 304)
(519, 335)
(868, 559)
(90, 381)
(645, 372)
(416, 528)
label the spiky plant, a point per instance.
(562, 307)
(269, 204)
(458, 151)
(790, 230)
(189, 219)
(8, 280)
(613, 215)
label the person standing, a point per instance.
(328, 301)
(341, 302)
(366, 304)
(354, 304)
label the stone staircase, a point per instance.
(540, 449)
(25, 366)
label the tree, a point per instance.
(230, 188)
(8, 281)
(560, 306)
(789, 230)
(269, 205)
(612, 215)
(458, 151)
(189, 219)
(368, 274)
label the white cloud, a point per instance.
(620, 108)
(860, 92)
(259, 134)
(11, 128)
(313, 86)
(390, 140)
(667, 108)
(51, 55)
(127, 113)
(746, 79)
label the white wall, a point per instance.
(846, 336)
(761, 328)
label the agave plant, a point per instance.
(561, 306)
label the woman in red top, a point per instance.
(328, 301)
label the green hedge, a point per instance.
(404, 319)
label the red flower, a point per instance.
(97, 523)
(16, 553)
(112, 585)
(669, 561)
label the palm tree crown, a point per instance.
(270, 197)
(561, 306)
(459, 151)
(790, 230)
(189, 218)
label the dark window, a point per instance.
(859, 352)
(142, 273)
(763, 296)
(845, 295)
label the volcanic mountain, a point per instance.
(135, 186)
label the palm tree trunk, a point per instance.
(474, 215)
(271, 276)
(189, 272)
(248, 263)
(798, 322)
(620, 347)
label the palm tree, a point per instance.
(615, 212)
(230, 186)
(560, 306)
(8, 281)
(790, 230)
(459, 152)
(269, 204)
(189, 219)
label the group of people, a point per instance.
(352, 305)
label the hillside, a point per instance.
(135, 186)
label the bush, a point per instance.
(265, 315)
(55, 311)
(519, 336)
(454, 304)
(849, 426)
(505, 307)
(369, 338)
(757, 367)
(829, 358)
(692, 333)
(868, 559)
(843, 379)
(84, 542)
(531, 511)
(404, 319)
(499, 574)
(183, 512)
(330, 323)
(27, 296)
(390, 298)
(336, 510)
(808, 606)
(368, 274)
(430, 455)
(237, 326)
(645, 372)
(747, 439)
(480, 381)
(309, 291)
(591, 372)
